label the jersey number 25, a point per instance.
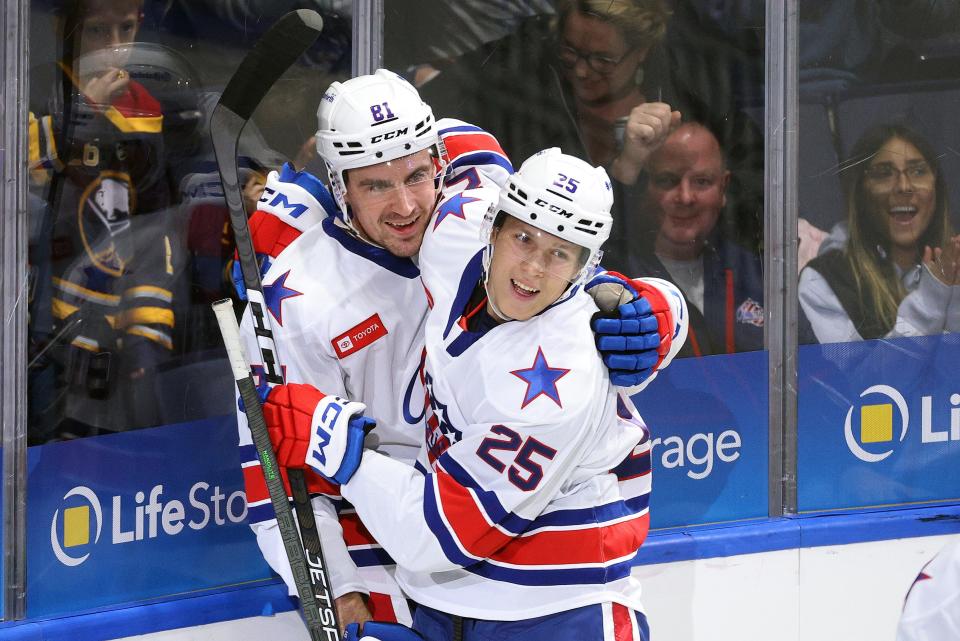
(509, 441)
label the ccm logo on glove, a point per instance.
(359, 336)
(324, 429)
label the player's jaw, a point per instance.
(398, 229)
(521, 289)
(402, 235)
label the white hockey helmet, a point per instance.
(561, 195)
(372, 119)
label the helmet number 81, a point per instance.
(565, 182)
(381, 112)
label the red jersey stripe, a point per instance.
(622, 623)
(256, 487)
(598, 544)
(354, 532)
(457, 145)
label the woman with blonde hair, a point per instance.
(898, 274)
(602, 46)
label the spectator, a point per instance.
(601, 50)
(897, 273)
(577, 80)
(96, 159)
(676, 235)
(520, 88)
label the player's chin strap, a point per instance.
(487, 261)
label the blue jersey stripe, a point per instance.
(517, 525)
(260, 513)
(488, 500)
(554, 576)
(598, 515)
(482, 158)
(367, 557)
(248, 453)
(399, 266)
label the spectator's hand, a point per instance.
(352, 608)
(944, 262)
(103, 89)
(810, 240)
(647, 128)
(252, 190)
(307, 152)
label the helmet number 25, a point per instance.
(565, 182)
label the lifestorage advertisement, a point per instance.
(157, 512)
(137, 515)
(879, 423)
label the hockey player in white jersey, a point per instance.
(346, 301)
(530, 498)
(931, 609)
(347, 304)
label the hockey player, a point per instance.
(931, 609)
(346, 300)
(529, 497)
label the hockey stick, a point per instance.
(273, 54)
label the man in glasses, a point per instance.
(348, 307)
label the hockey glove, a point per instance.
(310, 428)
(378, 631)
(634, 336)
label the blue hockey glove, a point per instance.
(378, 631)
(236, 273)
(627, 334)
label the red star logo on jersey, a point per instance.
(541, 380)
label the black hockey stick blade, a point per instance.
(274, 53)
(269, 59)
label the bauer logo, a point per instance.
(78, 523)
(884, 424)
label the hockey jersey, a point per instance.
(534, 476)
(347, 318)
(931, 610)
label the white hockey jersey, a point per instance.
(532, 496)
(931, 611)
(348, 319)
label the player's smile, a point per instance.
(405, 226)
(522, 290)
